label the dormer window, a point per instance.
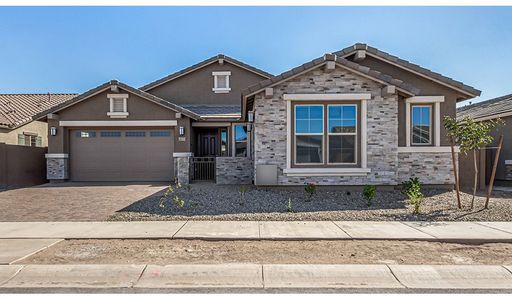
(118, 105)
(221, 82)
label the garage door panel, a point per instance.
(121, 158)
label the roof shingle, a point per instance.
(486, 109)
(404, 63)
(18, 109)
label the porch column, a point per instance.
(182, 167)
(57, 166)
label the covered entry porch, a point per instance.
(220, 153)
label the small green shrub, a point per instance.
(310, 189)
(174, 191)
(242, 190)
(180, 202)
(369, 192)
(412, 189)
(289, 207)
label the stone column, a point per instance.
(57, 167)
(508, 169)
(182, 167)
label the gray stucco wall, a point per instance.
(387, 167)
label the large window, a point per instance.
(421, 124)
(342, 134)
(240, 137)
(309, 131)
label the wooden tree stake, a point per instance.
(493, 174)
(455, 174)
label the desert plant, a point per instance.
(242, 190)
(176, 199)
(369, 192)
(470, 136)
(289, 206)
(310, 189)
(180, 202)
(412, 189)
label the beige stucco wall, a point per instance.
(11, 136)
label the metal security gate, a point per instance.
(202, 168)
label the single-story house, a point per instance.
(352, 117)
(23, 141)
(500, 107)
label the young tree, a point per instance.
(470, 136)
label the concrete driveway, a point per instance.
(72, 201)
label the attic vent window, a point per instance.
(221, 82)
(118, 105)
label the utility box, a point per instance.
(266, 175)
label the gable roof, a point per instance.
(203, 64)
(315, 63)
(446, 81)
(489, 109)
(108, 85)
(18, 109)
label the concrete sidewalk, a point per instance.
(267, 230)
(398, 278)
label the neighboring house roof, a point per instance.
(202, 65)
(215, 111)
(489, 109)
(315, 63)
(18, 109)
(447, 81)
(108, 85)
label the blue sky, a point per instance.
(73, 49)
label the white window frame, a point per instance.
(430, 107)
(233, 139)
(217, 89)
(295, 134)
(114, 114)
(356, 158)
(436, 118)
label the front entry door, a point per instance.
(208, 145)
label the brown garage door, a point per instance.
(121, 155)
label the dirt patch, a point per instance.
(271, 252)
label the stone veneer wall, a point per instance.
(182, 169)
(387, 168)
(57, 168)
(430, 168)
(233, 170)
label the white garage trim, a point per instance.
(150, 123)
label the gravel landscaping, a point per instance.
(216, 202)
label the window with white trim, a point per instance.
(118, 105)
(421, 124)
(309, 132)
(30, 140)
(221, 82)
(342, 133)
